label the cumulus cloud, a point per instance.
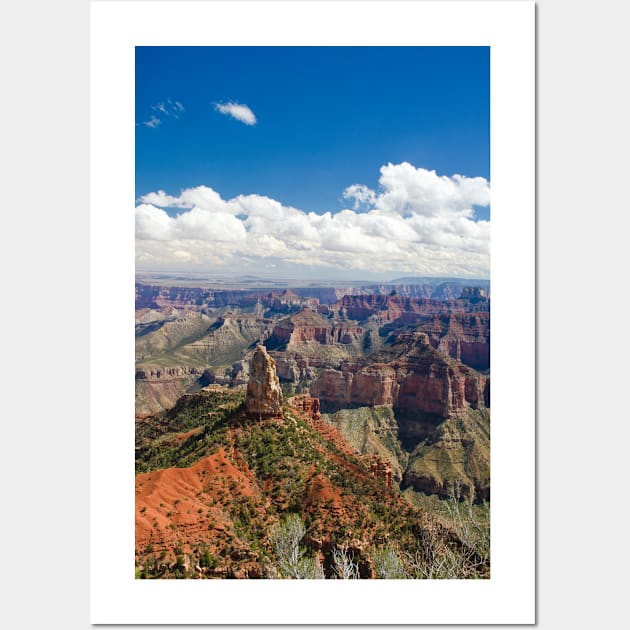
(407, 189)
(238, 111)
(361, 195)
(200, 196)
(153, 223)
(417, 222)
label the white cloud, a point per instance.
(203, 225)
(408, 189)
(161, 199)
(153, 122)
(200, 196)
(361, 195)
(153, 223)
(165, 109)
(238, 111)
(417, 223)
(169, 108)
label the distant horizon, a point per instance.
(209, 277)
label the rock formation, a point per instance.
(165, 373)
(264, 395)
(462, 336)
(381, 468)
(151, 296)
(422, 380)
(295, 367)
(390, 308)
(308, 326)
(306, 405)
(474, 294)
(234, 375)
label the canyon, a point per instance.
(243, 395)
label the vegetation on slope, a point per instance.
(213, 486)
(457, 450)
(195, 427)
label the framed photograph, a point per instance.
(307, 210)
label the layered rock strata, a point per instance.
(308, 326)
(166, 373)
(422, 380)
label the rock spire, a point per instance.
(264, 395)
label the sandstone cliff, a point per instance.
(421, 379)
(307, 326)
(462, 336)
(458, 328)
(432, 406)
(394, 307)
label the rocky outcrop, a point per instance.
(152, 296)
(458, 328)
(389, 308)
(357, 384)
(306, 405)
(474, 293)
(264, 395)
(185, 298)
(166, 373)
(288, 302)
(394, 306)
(294, 368)
(236, 374)
(462, 336)
(438, 289)
(308, 326)
(381, 468)
(330, 295)
(422, 380)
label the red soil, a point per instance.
(179, 506)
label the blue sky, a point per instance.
(326, 118)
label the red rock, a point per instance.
(381, 468)
(306, 405)
(458, 328)
(423, 380)
(308, 326)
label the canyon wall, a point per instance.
(307, 326)
(425, 381)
